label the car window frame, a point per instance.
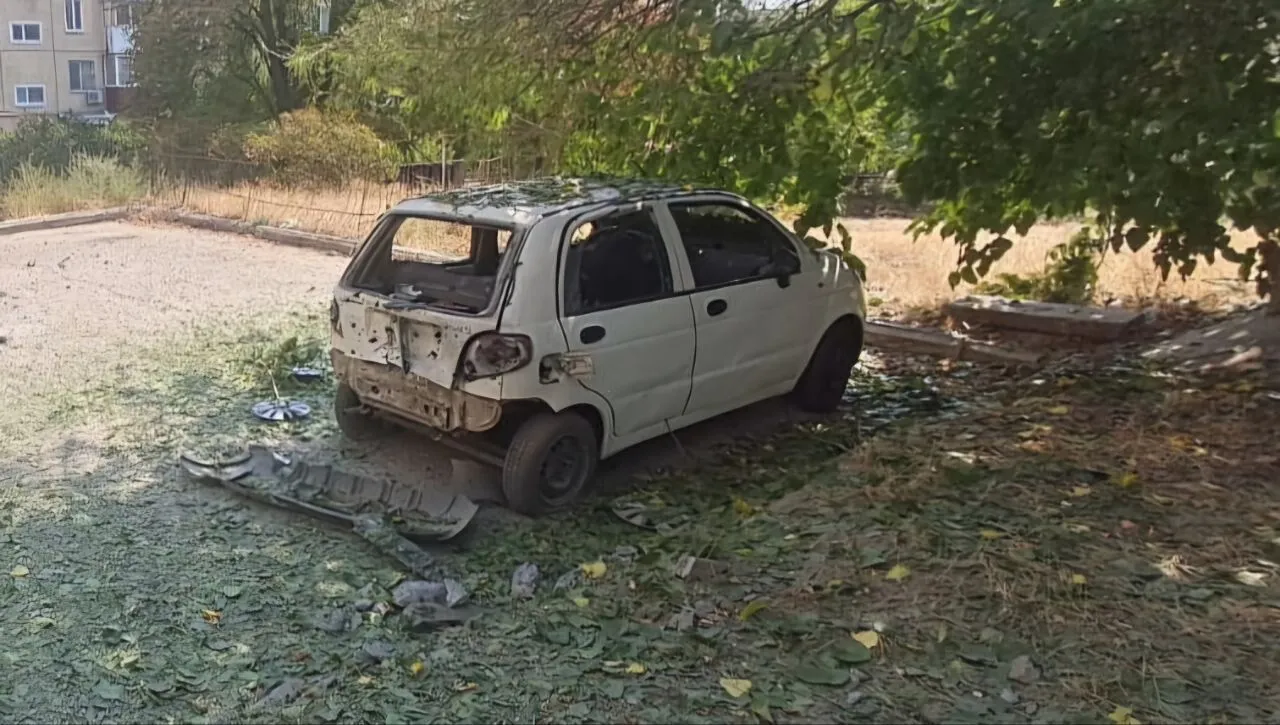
(672, 279)
(746, 208)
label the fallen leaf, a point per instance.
(1081, 491)
(1079, 580)
(868, 638)
(1123, 716)
(635, 668)
(990, 534)
(1077, 528)
(1059, 410)
(754, 607)
(19, 571)
(109, 691)
(1127, 480)
(735, 688)
(582, 602)
(417, 668)
(465, 687)
(818, 675)
(364, 680)
(594, 570)
(212, 616)
(1251, 578)
(897, 573)
(743, 508)
(851, 652)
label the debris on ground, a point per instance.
(1023, 670)
(449, 592)
(306, 374)
(279, 411)
(343, 498)
(696, 568)
(524, 581)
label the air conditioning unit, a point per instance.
(93, 98)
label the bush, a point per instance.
(309, 148)
(1070, 275)
(53, 143)
(91, 182)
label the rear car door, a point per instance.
(620, 307)
(751, 316)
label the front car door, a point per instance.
(620, 307)
(750, 296)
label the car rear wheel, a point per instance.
(549, 463)
(822, 385)
(352, 421)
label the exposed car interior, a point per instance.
(420, 261)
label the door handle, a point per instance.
(715, 307)
(590, 334)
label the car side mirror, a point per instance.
(781, 271)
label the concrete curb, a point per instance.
(70, 219)
(278, 235)
(290, 237)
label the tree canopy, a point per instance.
(1155, 120)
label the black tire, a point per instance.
(353, 423)
(822, 385)
(549, 463)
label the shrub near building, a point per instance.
(310, 148)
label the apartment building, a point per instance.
(65, 57)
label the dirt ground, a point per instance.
(1093, 542)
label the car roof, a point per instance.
(522, 202)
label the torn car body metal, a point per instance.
(387, 515)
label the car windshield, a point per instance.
(432, 262)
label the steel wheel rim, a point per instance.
(562, 470)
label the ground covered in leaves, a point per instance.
(1087, 544)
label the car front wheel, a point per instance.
(549, 463)
(822, 385)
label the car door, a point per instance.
(620, 307)
(750, 304)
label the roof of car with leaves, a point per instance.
(521, 202)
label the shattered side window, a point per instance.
(616, 261)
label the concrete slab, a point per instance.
(1094, 323)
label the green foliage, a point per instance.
(223, 61)
(310, 148)
(89, 182)
(271, 364)
(1029, 111)
(53, 143)
(697, 92)
(1070, 275)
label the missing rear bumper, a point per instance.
(413, 398)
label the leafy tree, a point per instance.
(224, 61)
(1159, 119)
(702, 91)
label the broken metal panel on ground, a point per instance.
(384, 514)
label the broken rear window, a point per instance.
(422, 261)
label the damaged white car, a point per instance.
(544, 326)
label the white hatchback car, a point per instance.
(577, 318)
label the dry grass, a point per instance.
(907, 274)
(904, 274)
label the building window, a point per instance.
(24, 33)
(28, 96)
(75, 16)
(122, 15)
(322, 17)
(83, 77)
(119, 71)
